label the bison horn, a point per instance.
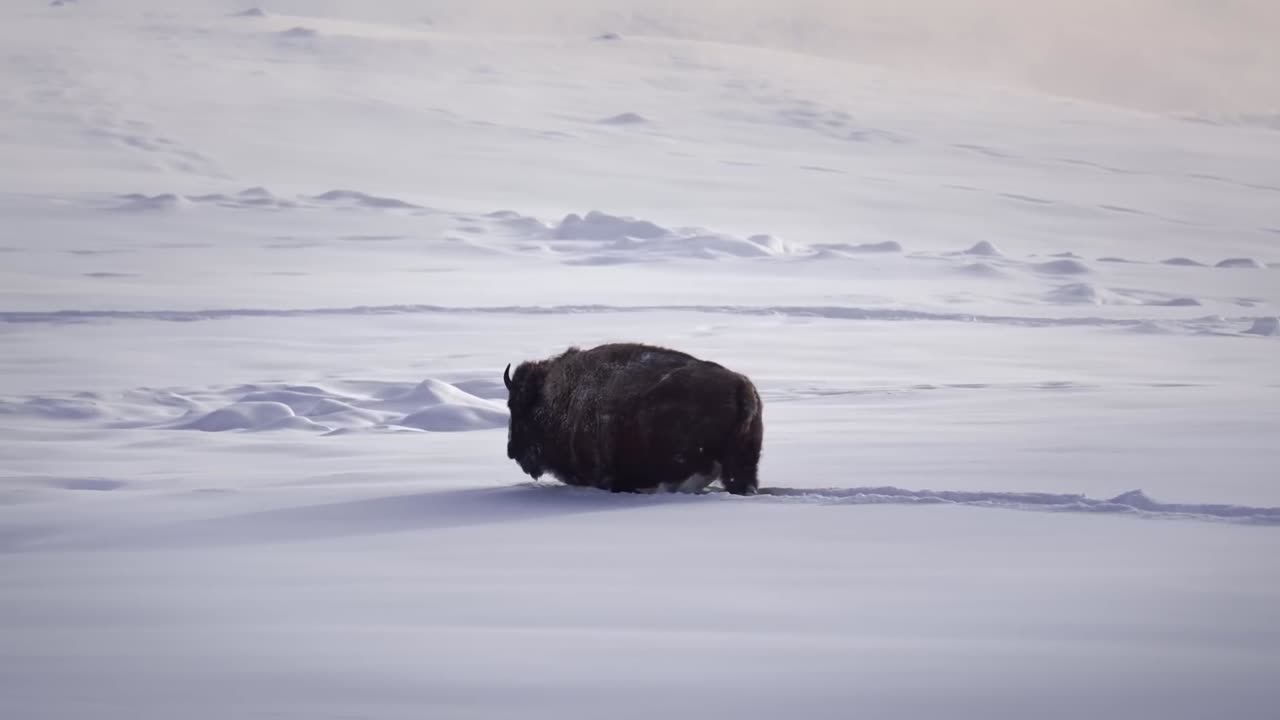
(506, 377)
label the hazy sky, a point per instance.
(1157, 54)
(1165, 55)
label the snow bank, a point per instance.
(1183, 262)
(1240, 262)
(455, 418)
(1266, 326)
(242, 416)
(984, 248)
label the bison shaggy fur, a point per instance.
(632, 417)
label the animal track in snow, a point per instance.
(1134, 502)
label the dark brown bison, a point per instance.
(630, 417)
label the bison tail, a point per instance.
(742, 456)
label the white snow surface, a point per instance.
(261, 269)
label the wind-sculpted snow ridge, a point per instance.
(431, 405)
(258, 197)
(611, 239)
(1266, 326)
(1134, 502)
(1212, 323)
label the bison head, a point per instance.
(524, 435)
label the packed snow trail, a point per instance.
(1134, 502)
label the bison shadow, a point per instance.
(414, 512)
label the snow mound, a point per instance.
(486, 389)
(298, 33)
(359, 199)
(427, 392)
(1241, 262)
(1182, 262)
(626, 118)
(260, 196)
(301, 403)
(1062, 267)
(984, 248)
(252, 415)
(602, 226)
(888, 246)
(982, 270)
(1150, 327)
(53, 408)
(522, 224)
(618, 240)
(431, 405)
(709, 246)
(437, 406)
(1177, 302)
(254, 197)
(250, 13)
(247, 198)
(827, 254)
(455, 418)
(1083, 294)
(1265, 326)
(138, 202)
(771, 244)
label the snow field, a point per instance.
(261, 269)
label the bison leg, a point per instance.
(742, 460)
(621, 484)
(743, 482)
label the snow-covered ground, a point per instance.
(260, 274)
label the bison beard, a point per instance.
(631, 417)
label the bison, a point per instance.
(632, 417)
